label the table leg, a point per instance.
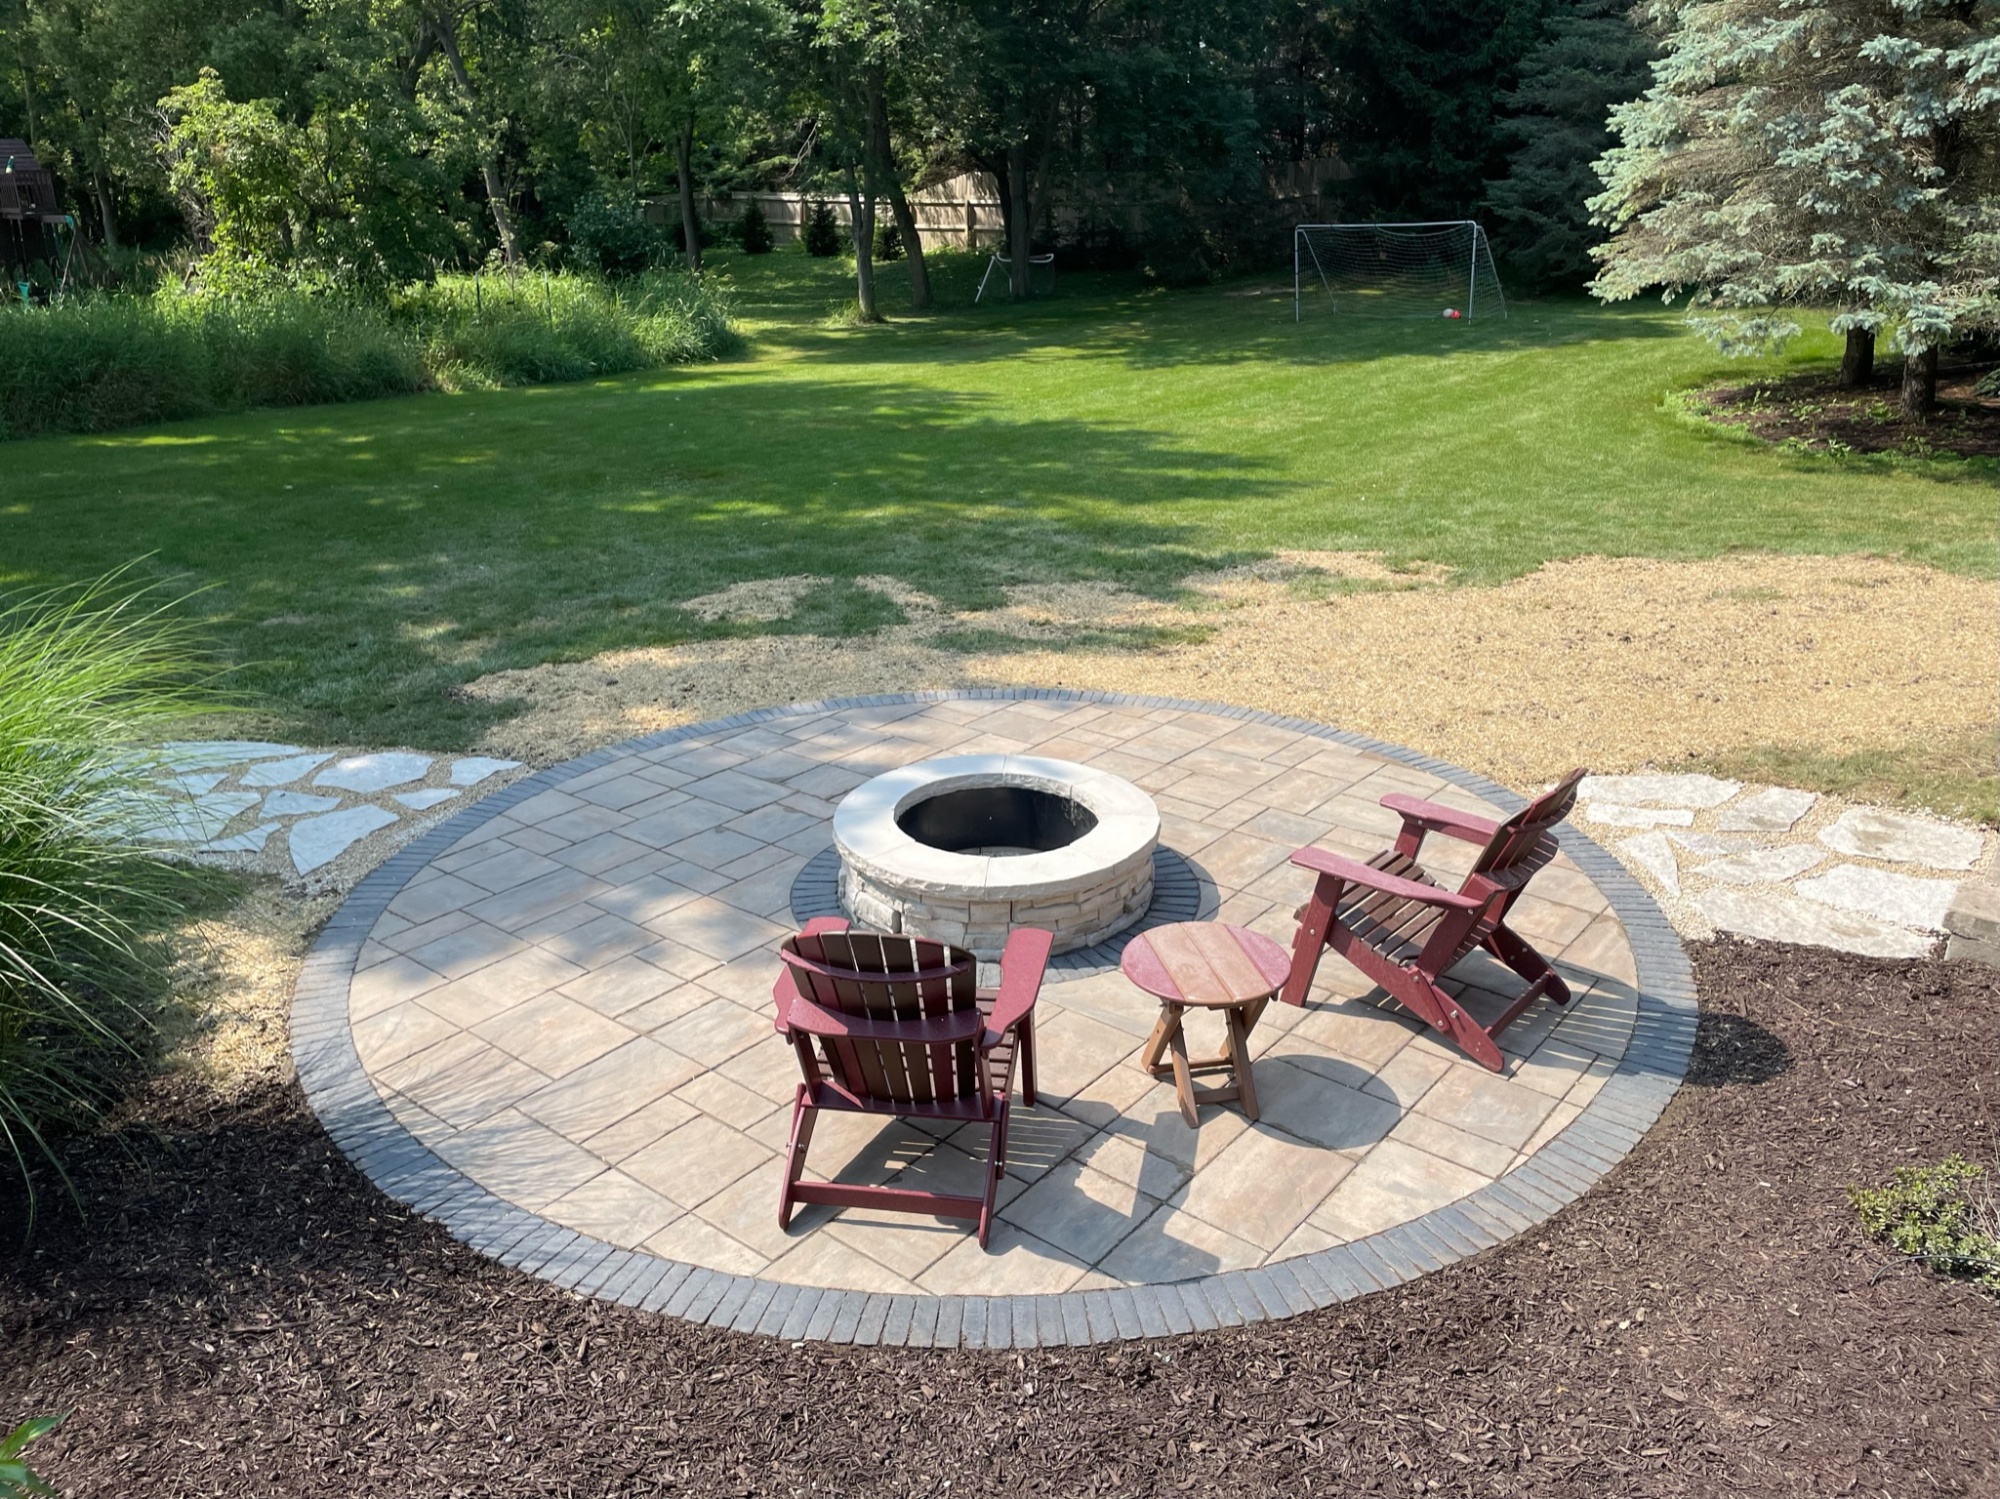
(1183, 1079)
(1239, 1058)
(1156, 1044)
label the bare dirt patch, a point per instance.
(243, 1315)
(1612, 663)
(1815, 413)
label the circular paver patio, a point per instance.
(547, 1024)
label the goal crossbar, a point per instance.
(1304, 249)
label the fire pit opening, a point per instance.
(997, 820)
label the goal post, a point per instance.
(1442, 268)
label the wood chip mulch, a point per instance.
(1815, 412)
(243, 1316)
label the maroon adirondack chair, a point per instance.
(898, 1026)
(1396, 924)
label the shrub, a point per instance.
(888, 240)
(89, 680)
(1930, 1213)
(611, 235)
(753, 230)
(822, 232)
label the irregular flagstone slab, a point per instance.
(198, 753)
(1879, 892)
(282, 772)
(1764, 866)
(426, 798)
(1776, 809)
(1711, 845)
(374, 772)
(1699, 792)
(297, 803)
(475, 768)
(1612, 814)
(1786, 918)
(1652, 853)
(321, 840)
(198, 784)
(1901, 839)
(203, 818)
(1975, 911)
(243, 843)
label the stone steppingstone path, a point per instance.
(322, 815)
(1792, 866)
(546, 1023)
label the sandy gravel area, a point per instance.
(1613, 663)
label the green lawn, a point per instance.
(364, 558)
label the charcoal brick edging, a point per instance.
(408, 1171)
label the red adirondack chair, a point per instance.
(1396, 924)
(897, 1026)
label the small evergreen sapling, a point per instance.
(822, 232)
(753, 230)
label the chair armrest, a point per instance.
(962, 1025)
(1431, 817)
(784, 991)
(1354, 872)
(1022, 963)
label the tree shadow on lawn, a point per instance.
(1153, 328)
(369, 561)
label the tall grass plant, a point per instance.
(98, 363)
(90, 679)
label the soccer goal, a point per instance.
(1442, 269)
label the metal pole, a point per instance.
(1295, 274)
(1472, 280)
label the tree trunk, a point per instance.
(106, 210)
(882, 150)
(684, 167)
(1020, 224)
(1857, 362)
(444, 26)
(861, 220)
(1920, 384)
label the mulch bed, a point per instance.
(1813, 411)
(244, 1316)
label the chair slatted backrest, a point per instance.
(1519, 848)
(875, 977)
(1525, 842)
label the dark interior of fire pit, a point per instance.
(1016, 818)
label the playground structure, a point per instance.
(32, 222)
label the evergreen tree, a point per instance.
(1419, 120)
(1815, 152)
(1591, 57)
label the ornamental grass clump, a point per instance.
(90, 680)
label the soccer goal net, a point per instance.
(1396, 270)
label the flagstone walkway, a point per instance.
(547, 1022)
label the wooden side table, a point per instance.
(1205, 965)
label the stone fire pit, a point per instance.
(966, 849)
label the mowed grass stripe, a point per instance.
(366, 558)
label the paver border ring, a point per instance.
(405, 1169)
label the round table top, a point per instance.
(1207, 963)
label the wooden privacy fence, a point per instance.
(964, 211)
